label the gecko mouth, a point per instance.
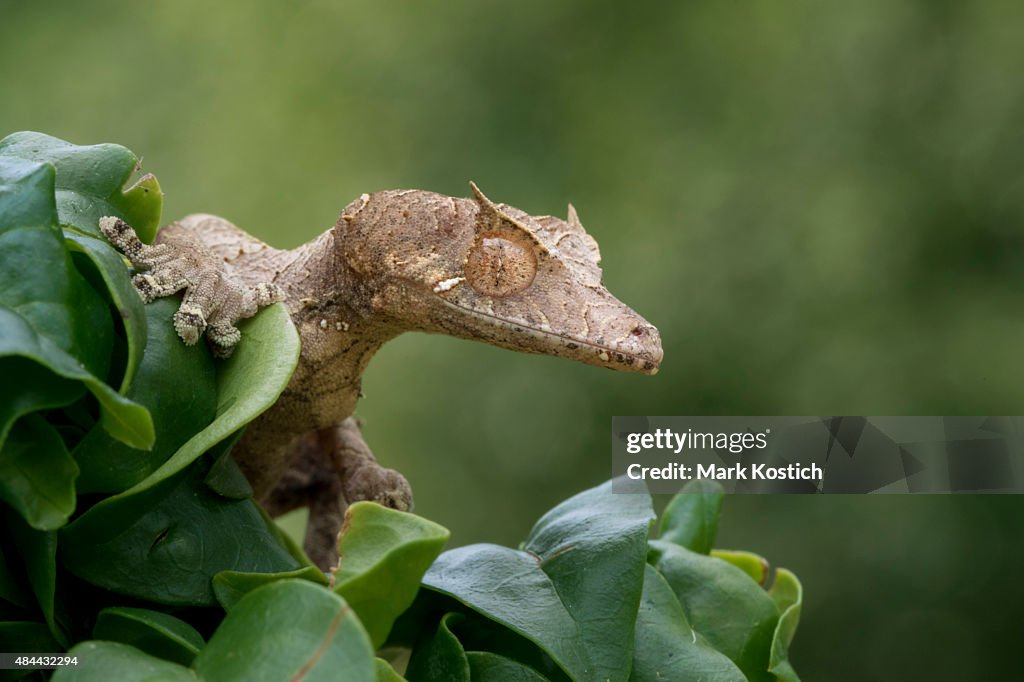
(645, 358)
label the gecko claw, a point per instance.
(213, 301)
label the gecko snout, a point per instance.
(641, 346)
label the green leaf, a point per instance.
(226, 477)
(441, 657)
(41, 177)
(384, 554)
(231, 586)
(607, 532)
(37, 277)
(124, 419)
(26, 193)
(754, 565)
(691, 518)
(509, 587)
(788, 595)
(156, 633)
(286, 541)
(38, 552)
(25, 637)
(126, 300)
(170, 553)
(667, 648)
(38, 388)
(582, 619)
(722, 604)
(37, 475)
(106, 661)
(177, 384)
(247, 384)
(385, 673)
(487, 667)
(304, 632)
(90, 181)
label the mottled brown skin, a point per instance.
(404, 260)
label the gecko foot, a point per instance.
(332, 468)
(213, 300)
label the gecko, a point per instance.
(396, 261)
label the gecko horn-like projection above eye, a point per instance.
(500, 267)
(573, 219)
(496, 218)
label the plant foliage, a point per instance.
(130, 539)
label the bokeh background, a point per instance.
(819, 204)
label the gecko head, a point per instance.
(492, 272)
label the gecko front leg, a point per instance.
(213, 300)
(332, 468)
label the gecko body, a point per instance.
(396, 261)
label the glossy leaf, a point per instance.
(37, 277)
(26, 637)
(38, 388)
(26, 192)
(667, 648)
(51, 315)
(306, 633)
(153, 632)
(124, 297)
(231, 586)
(38, 552)
(106, 661)
(247, 384)
(384, 554)
(722, 604)
(479, 634)
(37, 475)
(509, 587)
(284, 539)
(170, 553)
(90, 182)
(124, 419)
(385, 673)
(487, 667)
(582, 619)
(606, 531)
(441, 657)
(225, 477)
(691, 518)
(754, 565)
(177, 384)
(788, 595)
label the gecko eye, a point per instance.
(500, 267)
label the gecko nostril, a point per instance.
(637, 331)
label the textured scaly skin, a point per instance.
(403, 260)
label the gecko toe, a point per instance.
(147, 287)
(120, 233)
(267, 293)
(223, 339)
(386, 487)
(190, 323)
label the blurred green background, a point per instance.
(819, 204)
